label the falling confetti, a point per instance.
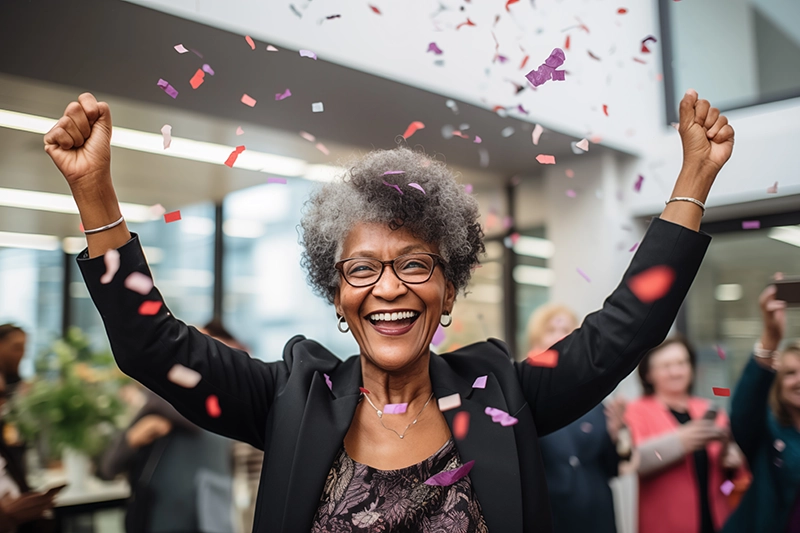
(271, 48)
(547, 70)
(727, 487)
(593, 56)
(605, 109)
(720, 351)
(461, 425)
(477, 140)
(149, 307)
(583, 144)
(198, 79)
(277, 180)
(395, 408)
(417, 186)
(779, 445)
(468, 188)
(447, 478)
(365, 391)
(509, 3)
(284, 95)
(508, 131)
(634, 247)
(451, 104)
(638, 185)
(773, 189)
(239, 131)
(467, 23)
(183, 376)
(751, 224)
(172, 217)
(157, 210)
(571, 193)
(317, 107)
(166, 132)
(449, 402)
(652, 284)
(111, 259)
(307, 136)
(308, 53)
(374, 9)
(646, 40)
(435, 49)
(658, 456)
(537, 133)
(169, 89)
(393, 185)
(328, 381)
(412, 128)
(248, 100)
(545, 159)
(438, 336)
(212, 407)
(180, 49)
(721, 391)
(208, 70)
(621, 11)
(480, 383)
(322, 148)
(546, 359)
(232, 158)
(569, 173)
(138, 282)
(500, 417)
(583, 275)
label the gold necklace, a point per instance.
(380, 415)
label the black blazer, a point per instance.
(286, 408)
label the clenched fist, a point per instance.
(706, 136)
(80, 142)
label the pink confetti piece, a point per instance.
(393, 185)
(449, 402)
(317, 107)
(239, 131)
(207, 69)
(111, 259)
(721, 391)
(198, 79)
(638, 185)
(587, 427)
(461, 425)
(449, 477)
(284, 95)
(271, 48)
(174, 216)
(658, 455)
(500, 417)
(417, 186)
(468, 188)
(779, 445)
(138, 282)
(250, 42)
(307, 136)
(157, 210)
(412, 128)
(634, 247)
(477, 140)
(438, 336)
(480, 383)
(545, 159)
(169, 89)
(150, 307)
(395, 408)
(751, 224)
(545, 359)
(322, 148)
(571, 193)
(570, 173)
(521, 109)
(166, 132)
(547, 70)
(180, 49)
(212, 407)
(183, 376)
(248, 100)
(393, 172)
(435, 49)
(328, 381)
(195, 52)
(277, 180)
(235, 154)
(583, 275)
(652, 284)
(583, 144)
(727, 487)
(773, 189)
(720, 351)
(308, 53)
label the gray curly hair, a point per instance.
(444, 215)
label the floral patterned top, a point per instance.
(358, 498)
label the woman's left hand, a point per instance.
(615, 417)
(706, 136)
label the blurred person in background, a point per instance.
(684, 446)
(12, 350)
(581, 458)
(765, 420)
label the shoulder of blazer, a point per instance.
(486, 356)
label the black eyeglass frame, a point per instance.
(437, 260)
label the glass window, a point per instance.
(532, 280)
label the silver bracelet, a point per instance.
(109, 226)
(761, 353)
(687, 199)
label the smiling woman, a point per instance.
(390, 244)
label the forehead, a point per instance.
(673, 352)
(372, 239)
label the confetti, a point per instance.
(779, 445)
(183, 376)
(547, 70)
(477, 140)
(546, 159)
(461, 425)
(451, 104)
(638, 185)
(157, 210)
(501, 417)
(393, 172)
(412, 128)
(566, 43)
(322, 148)
(545, 359)
(172, 217)
(720, 351)
(508, 131)
(317, 107)
(239, 131)
(180, 49)
(658, 455)
(111, 259)
(449, 402)
(417, 186)
(727, 487)
(773, 189)
(169, 89)
(571, 193)
(569, 173)
(751, 224)
(308, 53)
(652, 284)
(271, 48)
(587, 427)
(198, 79)
(583, 144)
(393, 185)
(537, 133)
(447, 478)
(438, 336)
(212, 407)
(277, 180)
(646, 40)
(621, 11)
(721, 391)
(307, 136)
(166, 132)
(467, 23)
(468, 188)
(250, 42)
(284, 95)
(605, 109)
(149, 307)
(634, 247)
(435, 49)
(207, 69)
(395, 408)
(138, 282)
(248, 100)
(480, 383)
(583, 275)
(374, 9)
(232, 158)
(328, 381)
(363, 390)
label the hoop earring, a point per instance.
(339, 325)
(446, 320)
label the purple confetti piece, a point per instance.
(308, 53)
(277, 180)
(435, 49)
(480, 383)
(571, 193)
(169, 89)
(547, 70)
(392, 185)
(468, 188)
(500, 417)
(438, 337)
(393, 172)
(447, 478)
(395, 408)
(477, 140)
(207, 69)
(502, 58)
(195, 52)
(727, 487)
(328, 381)
(634, 247)
(638, 185)
(282, 96)
(417, 186)
(522, 109)
(751, 224)
(583, 274)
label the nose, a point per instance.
(389, 286)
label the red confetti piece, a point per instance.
(374, 9)
(248, 100)
(467, 23)
(232, 158)
(621, 11)
(652, 284)
(721, 391)
(640, 61)
(150, 307)
(566, 43)
(524, 62)
(412, 128)
(605, 109)
(546, 359)
(546, 159)
(172, 217)
(509, 3)
(198, 79)
(250, 41)
(365, 391)
(212, 407)
(461, 425)
(646, 40)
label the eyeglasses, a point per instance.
(409, 268)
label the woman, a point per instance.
(765, 420)
(332, 461)
(683, 446)
(581, 458)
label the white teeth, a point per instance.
(402, 315)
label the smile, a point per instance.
(393, 323)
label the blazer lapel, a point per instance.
(496, 473)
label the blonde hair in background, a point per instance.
(537, 324)
(775, 393)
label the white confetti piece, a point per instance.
(308, 53)
(307, 136)
(583, 144)
(183, 376)
(138, 282)
(239, 131)
(449, 402)
(166, 131)
(271, 48)
(111, 259)
(537, 132)
(317, 107)
(180, 49)
(157, 210)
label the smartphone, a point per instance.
(711, 414)
(788, 290)
(51, 492)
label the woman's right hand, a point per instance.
(773, 314)
(80, 142)
(695, 434)
(147, 430)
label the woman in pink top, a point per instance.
(684, 447)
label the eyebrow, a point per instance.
(408, 249)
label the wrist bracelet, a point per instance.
(104, 228)
(687, 199)
(761, 353)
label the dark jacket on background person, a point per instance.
(287, 409)
(579, 461)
